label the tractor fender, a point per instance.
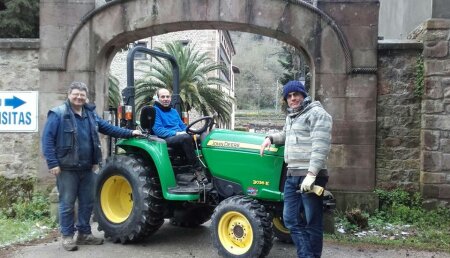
(156, 149)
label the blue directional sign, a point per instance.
(18, 111)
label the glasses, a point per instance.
(78, 95)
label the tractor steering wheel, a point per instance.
(208, 124)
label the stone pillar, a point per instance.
(435, 133)
(58, 21)
(350, 98)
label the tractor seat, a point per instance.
(147, 119)
(148, 116)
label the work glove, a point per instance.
(307, 183)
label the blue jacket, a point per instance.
(60, 144)
(167, 121)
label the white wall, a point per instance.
(398, 18)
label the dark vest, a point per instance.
(66, 143)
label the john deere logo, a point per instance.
(237, 145)
(225, 144)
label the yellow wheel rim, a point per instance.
(278, 224)
(116, 199)
(235, 233)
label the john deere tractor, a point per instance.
(145, 182)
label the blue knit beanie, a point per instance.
(294, 86)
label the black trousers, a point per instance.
(184, 142)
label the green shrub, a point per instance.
(36, 208)
(399, 206)
(11, 190)
(419, 83)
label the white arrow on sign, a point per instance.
(19, 111)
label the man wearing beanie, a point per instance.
(307, 139)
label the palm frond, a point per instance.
(195, 82)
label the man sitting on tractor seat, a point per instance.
(168, 125)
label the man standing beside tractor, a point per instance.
(71, 146)
(307, 139)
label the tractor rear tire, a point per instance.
(129, 204)
(191, 217)
(241, 227)
(280, 231)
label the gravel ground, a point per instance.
(171, 241)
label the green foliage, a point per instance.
(20, 19)
(256, 85)
(25, 219)
(37, 208)
(13, 189)
(293, 63)
(114, 95)
(342, 221)
(400, 221)
(243, 129)
(399, 206)
(419, 85)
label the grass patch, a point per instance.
(16, 231)
(400, 222)
(25, 220)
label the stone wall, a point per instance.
(435, 149)
(398, 116)
(20, 154)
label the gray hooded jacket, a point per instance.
(307, 139)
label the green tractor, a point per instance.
(145, 182)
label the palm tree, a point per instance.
(197, 90)
(114, 95)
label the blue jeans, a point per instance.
(72, 185)
(303, 216)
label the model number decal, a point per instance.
(260, 182)
(237, 145)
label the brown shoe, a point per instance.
(88, 239)
(69, 244)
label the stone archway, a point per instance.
(339, 37)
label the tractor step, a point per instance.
(192, 188)
(185, 179)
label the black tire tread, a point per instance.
(150, 216)
(256, 213)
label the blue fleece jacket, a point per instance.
(167, 122)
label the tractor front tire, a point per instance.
(129, 204)
(241, 227)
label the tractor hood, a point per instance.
(238, 141)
